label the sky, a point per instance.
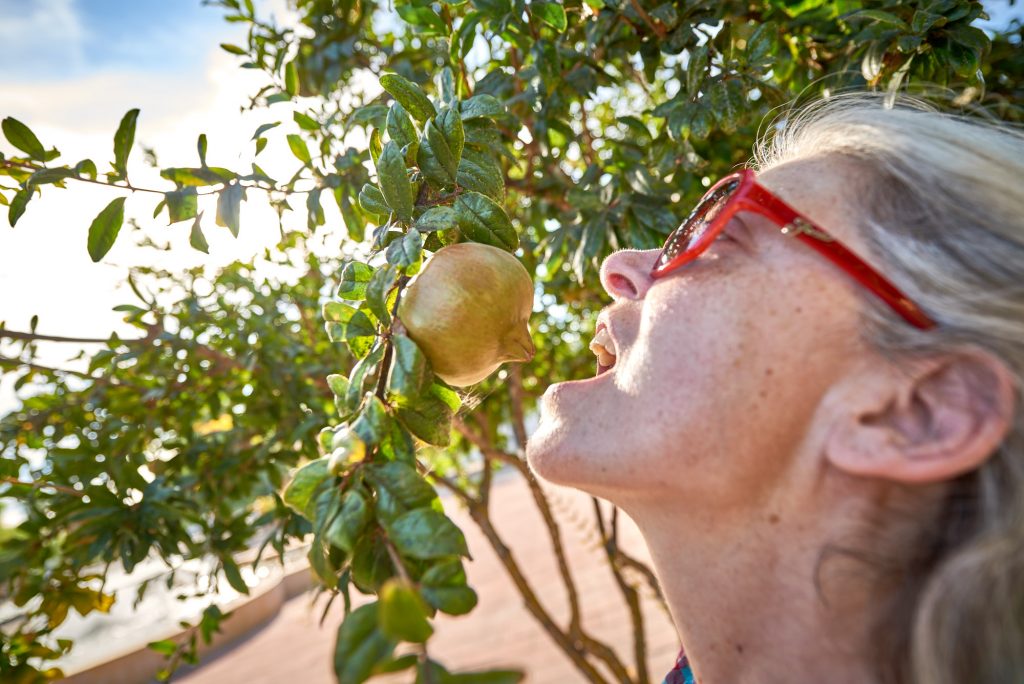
(72, 69)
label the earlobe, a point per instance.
(941, 418)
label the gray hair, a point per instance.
(943, 215)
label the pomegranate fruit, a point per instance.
(469, 311)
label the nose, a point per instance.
(626, 274)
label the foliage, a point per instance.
(556, 131)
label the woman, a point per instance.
(827, 463)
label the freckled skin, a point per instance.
(709, 433)
(720, 364)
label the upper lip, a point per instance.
(604, 324)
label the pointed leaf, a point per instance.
(19, 135)
(298, 148)
(124, 138)
(196, 237)
(410, 95)
(18, 204)
(361, 646)
(394, 182)
(104, 229)
(482, 220)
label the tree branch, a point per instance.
(630, 594)
(17, 335)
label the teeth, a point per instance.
(603, 347)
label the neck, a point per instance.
(745, 600)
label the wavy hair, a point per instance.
(943, 213)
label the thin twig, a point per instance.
(40, 484)
(658, 30)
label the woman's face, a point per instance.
(720, 365)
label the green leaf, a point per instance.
(478, 171)
(403, 614)
(18, 205)
(234, 576)
(409, 374)
(696, 69)
(361, 646)
(399, 126)
(298, 148)
(263, 129)
(376, 145)
(436, 218)
(233, 49)
(480, 106)
(394, 182)
(300, 490)
(880, 16)
(424, 533)
(551, 13)
(401, 483)
(377, 290)
(354, 277)
(371, 199)
(19, 135)
(761, 44)
(196, 237)
(371, 424)
(86, 167)
(198, 176)
(291, 79)
(728, 103)
(353, 322)
(306, 122)
(124, 138)
(201, 145)
(371, 563)
(407, 253)
(104, 229)
(228, 204)
(181, 204)
(425, 20)
(482, 220)
(409, 95)
(47, 176)
(441, 148)
(350, 522)
(429, 418)
(444, 588)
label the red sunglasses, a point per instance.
(741, 192)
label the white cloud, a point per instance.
(43, 30)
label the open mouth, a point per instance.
(603, 347)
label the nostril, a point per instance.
(619, 283)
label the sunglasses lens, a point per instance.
(691, 232)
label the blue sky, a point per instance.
(63, 39)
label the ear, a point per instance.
(926, 422)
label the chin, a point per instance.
(551, 456)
